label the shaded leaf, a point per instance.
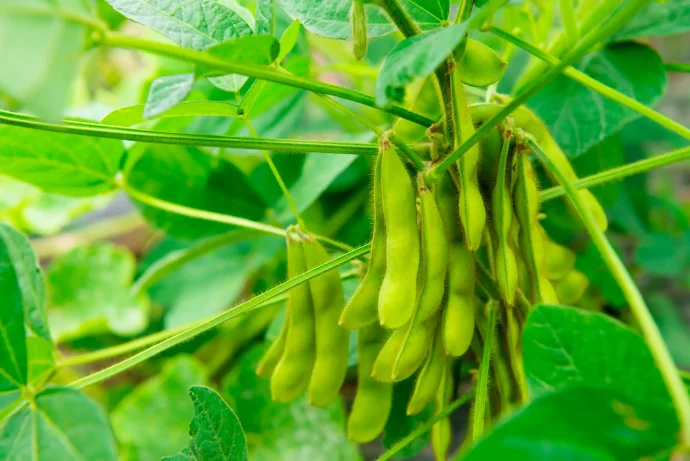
(658, 18)
(580, 424)
(215, 430)
(415, 57)
(90, 293)
(60, 163)
(578, 118)
(265, 17)
(62, 425)
(664, 255)
(400, 424)
(153, 419)
(36, 72)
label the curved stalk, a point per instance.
(482, 389)
(638, 307)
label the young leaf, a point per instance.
(61, 425)
(580, 424)
(134, 115)
(36, 72)
(20, 259)
(567, 347)
(579, 117)
(166, 92)
(415, 57)
(331, 18)
(210, 183)
(658, 18)
(153, 419)
(60, 163)
(215, 430)
(90, 293)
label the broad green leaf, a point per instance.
(166, 92)
(663, 254)
(61, 425)
(20, 260)
(331, 18)
(36, 72)
(58, 163)
(578, 117)
(285, 431)
(133, 115)
(265, 17)
(400, 424)
(210, 283)
(658, 18)
(215, 430)
(289, 39)
(566, 347)
(438, 9)
(90, 293)
(209, 183)
(195, 24)
(580, 424)
(13, 354)
(153, 419)
(415, 57)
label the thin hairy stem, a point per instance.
(482, 390)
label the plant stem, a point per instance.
(49, 247)
(636, 302)
(400, 17)
(405, 149)
(352, 114)
(278, 178)
(677, 66)
(195, 330)
(482, 389)
(620, 172)
(598, 35)
(159, 137)
(263, 73)
(595, 85)
(414, 435)
(569, 21)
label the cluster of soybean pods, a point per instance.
(419, 302)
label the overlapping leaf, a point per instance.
(658, 18)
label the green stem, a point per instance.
(190, 333)
(263, 73)
(49, 247)
(352, 114)
(569, 21)
(595, 85)
(620, 172)
(400, 17)
(426, 427)
(677, 66)
(482, 389)
(636, 302)
(598, 35)
(158, 137)
(405, 149)
(278, 178)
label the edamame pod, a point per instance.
(373, 399)
(358, 21)
(572, 287)
(398, 295)
(361, 310)
(531, 243)
(429, 379)
(331, 341)
(481, 66)
(292, 373)
(502, 215)
(471, 204)
(414, 348)
(273, 354)
(458, 315)
(560, 260)
(434, 256)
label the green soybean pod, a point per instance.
(414, 348)
(332, 341)
(560, 260)
(481, 66)
(434, 256)
(398, 295)
(361, 310)
(471, 204)
(358, 21)
(458, 314)
(292, 373)
(373, 399)
(502, 214)
(272, 356)
(441, 431)
(571, 288)
(429, 378)
(447, 199)
(531, 242)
